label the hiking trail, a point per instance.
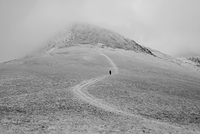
(81, 91)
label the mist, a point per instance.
(170, 26)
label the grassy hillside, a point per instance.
(36, 96)
(153, 88)
(156, 93)
(34, 92)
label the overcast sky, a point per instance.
(170, 26)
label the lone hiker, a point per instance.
(110, 72)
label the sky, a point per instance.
(170, 26)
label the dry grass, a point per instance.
(35, 95)
(146, 89)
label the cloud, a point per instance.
(170, 26)
(42, 21)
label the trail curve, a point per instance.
(80, 91)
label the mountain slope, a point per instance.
(69, 90)
(195, 60)
(80, 33)
(41, 94)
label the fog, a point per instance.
(170, 26)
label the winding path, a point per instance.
(81, 91)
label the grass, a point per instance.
(35, 95)
(146, 89)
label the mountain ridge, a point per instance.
(82, 33)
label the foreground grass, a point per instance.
(35, 96)
(167, 94)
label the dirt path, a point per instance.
(111, 63)
(81, 91)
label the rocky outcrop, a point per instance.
(196, 60)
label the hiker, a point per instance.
(110, 72)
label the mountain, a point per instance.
(66, 87)
(81, 33)
(193, 61)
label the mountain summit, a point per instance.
(69, 86)
(81, 33)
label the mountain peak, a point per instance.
(83, 33)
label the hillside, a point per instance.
(66, 88)
(196, 60)
(191, 62)
(80, 33)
